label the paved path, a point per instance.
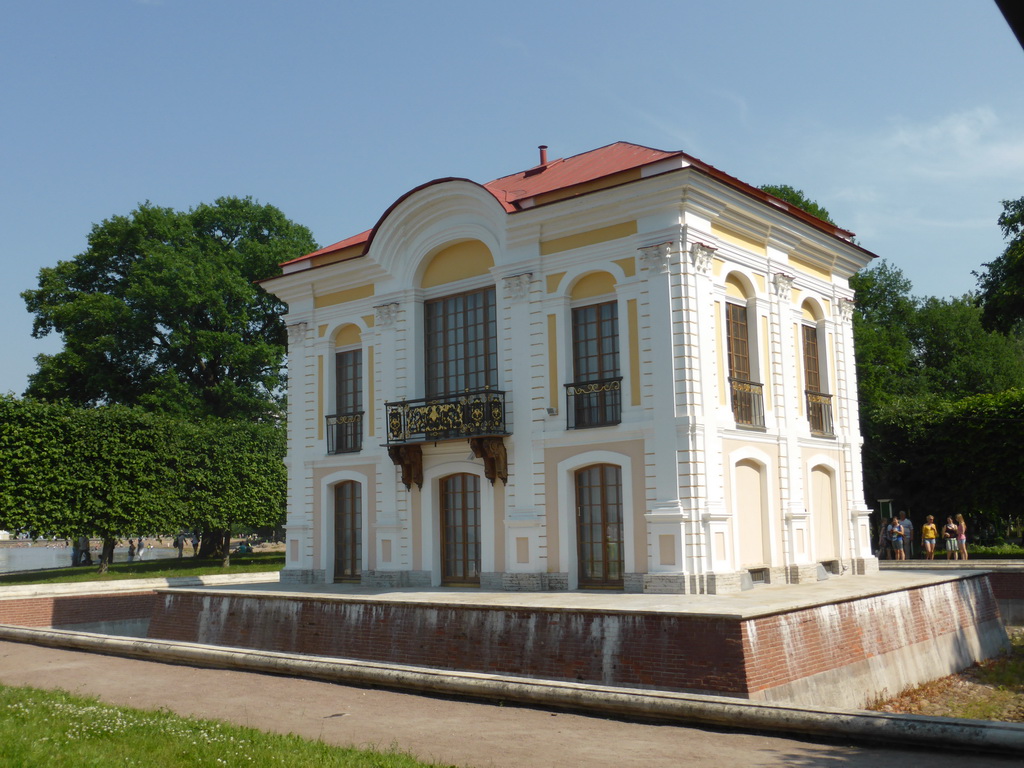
(449, 732)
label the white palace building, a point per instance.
(620, 370)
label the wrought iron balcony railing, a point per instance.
(345, 432)
(471, 414)
(819, 413)
(747, 402)
(593, 403)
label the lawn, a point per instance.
(41, 729)
(149, 569)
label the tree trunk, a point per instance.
(226, 548)
(213, 543)
(107, 554)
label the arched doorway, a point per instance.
(460, 529)
(348, 531)
(823, 509)
(599, 526)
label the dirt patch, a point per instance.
(991, 690)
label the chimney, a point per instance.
(543, 154)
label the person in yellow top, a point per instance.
(929, 533)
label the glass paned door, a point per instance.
(348, 531)
(599, 525)
(460, 534)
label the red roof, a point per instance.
(568, 172)
(562, 174)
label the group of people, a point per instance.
(896, 540)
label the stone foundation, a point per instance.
(303, 576)
(857, 649)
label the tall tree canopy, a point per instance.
(799, 199)
(1001, 285)
(162, 310)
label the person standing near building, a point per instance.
(929, 533)
(908, 535)
(961, 536)
(896, 538)
(949, 531)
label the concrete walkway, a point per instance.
(447, 731)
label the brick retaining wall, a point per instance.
(682, 652)
(759, 657)
(69, 610)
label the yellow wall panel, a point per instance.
(634, 351)
(340, 297)
(810, 269)
(594, 284)
(583, 239)
(554, 280)
(347, 336)
(552, 362)
(628, 266)
(469, 258)
(320, 397)
(370, 406)
(735, 238)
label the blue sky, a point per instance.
(905, 119)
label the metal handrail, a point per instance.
(344, 432)
(470, 414)
(595, 403)
(819, 413)
(747, 402)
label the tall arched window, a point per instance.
(599, 530)
(594, 398)
(819, 402)
(747, 391)
(345, 425)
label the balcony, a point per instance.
(819, 413)
(345, 432)
(594, 403)
(447, 417)
(747, 403)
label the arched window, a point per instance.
(599, 532)
(345, 425)
(595, 394)
(819, 402)
(747, 391)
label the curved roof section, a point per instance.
(563, 178)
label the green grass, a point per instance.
(41, 729)
(149, 569)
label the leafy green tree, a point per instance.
(957, 357)
(1001, 286)
(799, 199)
(163, 310)
(883, 322)
(116, 472)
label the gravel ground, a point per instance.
(993, 690)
